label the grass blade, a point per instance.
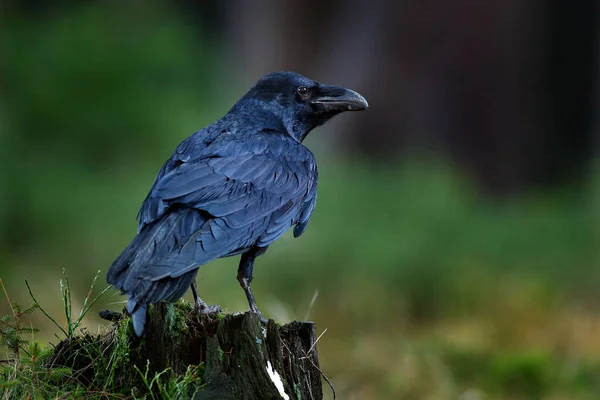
(44, 311)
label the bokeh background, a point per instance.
(454, 249)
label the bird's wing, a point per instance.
(254, 189)
(151, 209)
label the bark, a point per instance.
(240, 357)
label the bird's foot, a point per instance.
(212, 309)
(200, 305)
(204, 308)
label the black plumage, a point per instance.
(231, 188)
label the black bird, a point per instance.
(231, 188)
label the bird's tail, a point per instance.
(138, 316)
(154, 243)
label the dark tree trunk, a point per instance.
(505, 88)
(240, 357)
(236, 351)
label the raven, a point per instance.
(231, 188)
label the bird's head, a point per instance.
(299, 103)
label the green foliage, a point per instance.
(30, 378)
(420, 235)
(25, 374)
(84, 365)
(13, 329)
(109, 364)
(92, 91)
(65, 289)
(528, 373)
(30, 373)
(164, 386)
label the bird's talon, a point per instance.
(206, 309)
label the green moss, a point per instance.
(175, 320)
(120, 356)
(184, 306)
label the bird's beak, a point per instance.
(337, 98)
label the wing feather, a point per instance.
(253, 191)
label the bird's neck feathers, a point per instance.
(272, 115)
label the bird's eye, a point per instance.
(302, 90)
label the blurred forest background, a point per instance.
(454, 248)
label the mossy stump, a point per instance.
(236, 356)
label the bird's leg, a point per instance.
(244, 277)
(201, 304)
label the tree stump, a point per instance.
(238, 357)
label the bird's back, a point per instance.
(225, 189)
